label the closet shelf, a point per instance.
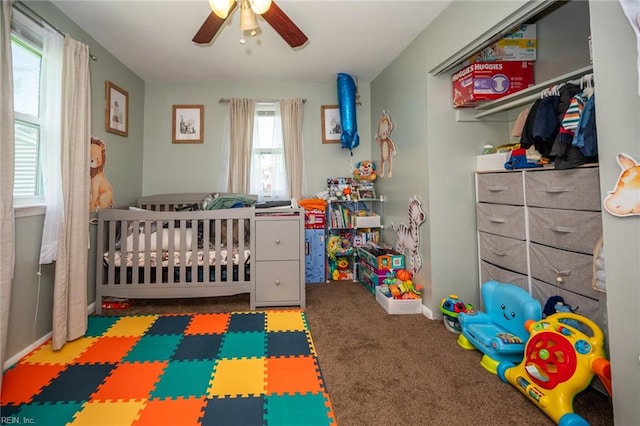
(526, 96)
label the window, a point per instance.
(268, 175)
(26, 45)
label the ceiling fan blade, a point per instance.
(210, 27)
(284, 26)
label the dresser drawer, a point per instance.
(574, 189)
(582, 305)
(566, 229)
(277, 281)
(501, 219)
(277, 240)
(489, 272)
(500, 188)
(575, 269)
(508, 253)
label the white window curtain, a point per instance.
(235, 162)
(292, 111)
(50, 145)
(273, 140)
(7, 154)
(70, 283)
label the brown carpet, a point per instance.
(389, 370)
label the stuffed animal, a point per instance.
(101, 190)
(365, 170)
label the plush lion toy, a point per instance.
(365, 170)
(101, 190)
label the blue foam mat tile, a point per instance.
(76, 383)
(234, 411)
(247, 322)
(198, 347)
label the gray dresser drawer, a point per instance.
(277, 281)
(500, 188)
(278, 240)
(576, 269)
(574, 189)
(501, 219)
(582, 305)
(489, 272)
(570, 230)
(505, 252)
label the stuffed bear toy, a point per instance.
(365, 170)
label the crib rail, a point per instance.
(173, 254)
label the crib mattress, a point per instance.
(164, 258)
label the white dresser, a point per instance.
(279, 257)
(537, 228)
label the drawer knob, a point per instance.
(277, 240)
(277, 282)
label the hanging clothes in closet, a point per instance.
(561, 125)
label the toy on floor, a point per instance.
(451, 307)
(499, 332)
(400, 288)
(559, 362)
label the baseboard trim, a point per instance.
(91, 308)
(17, 357)
(429, 313)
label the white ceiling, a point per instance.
(153, 38)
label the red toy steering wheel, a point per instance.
(554, 358)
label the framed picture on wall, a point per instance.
(331, 126)
(116, 111)
(188, 124)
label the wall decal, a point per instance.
(624, 200)
(101, 190)
(409, 235)
(387, 147)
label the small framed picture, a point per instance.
(331, 126)
(116, 112)
(366, 193)
(188, 124)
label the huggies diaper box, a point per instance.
(487, 81)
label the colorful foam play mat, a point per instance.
(240, 368)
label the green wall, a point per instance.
(194, 167)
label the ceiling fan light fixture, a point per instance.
(221, 7)
(260, 6)
(248, 20)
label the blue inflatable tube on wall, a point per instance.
(347, 105)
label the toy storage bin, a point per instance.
(398, 306)
(370, 221)
(368, 278)
(391, 259)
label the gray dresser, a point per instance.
(279, 257)
(537, 228)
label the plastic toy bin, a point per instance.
(398, 306)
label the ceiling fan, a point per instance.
(268, 9)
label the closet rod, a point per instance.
(226, 100)
(39, 20)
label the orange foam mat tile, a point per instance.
(21, 382)
(181, 411)
(293, 375)
(107, 350)
(208, 324)
(130, 381)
